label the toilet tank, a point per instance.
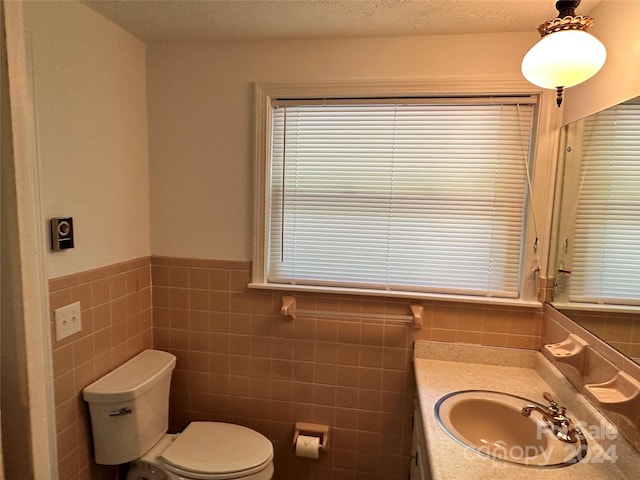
(129, 407)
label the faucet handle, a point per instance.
(547, 396)
(553, 405)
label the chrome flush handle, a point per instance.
(122, 411)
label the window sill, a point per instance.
(491, 301)
(596, 307)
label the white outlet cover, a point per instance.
(68, 320)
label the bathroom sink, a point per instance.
(492, 424)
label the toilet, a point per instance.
(129, 409)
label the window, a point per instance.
(417, 196)
(606, 243)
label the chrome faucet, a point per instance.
(555, 417)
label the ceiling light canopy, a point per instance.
(566, 55)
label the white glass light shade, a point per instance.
(563, 59)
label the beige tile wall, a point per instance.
(620, 330)
(239, 360)
(116, 325)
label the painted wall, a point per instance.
(617, 27)
(201, 118)
(91, 84)
(89, 81)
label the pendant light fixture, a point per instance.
(566, 55)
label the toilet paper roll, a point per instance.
(308, 447)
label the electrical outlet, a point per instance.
(68, 320)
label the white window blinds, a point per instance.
(394, 196)
(606, 249)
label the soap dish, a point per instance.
(571, 351)
(621, 395)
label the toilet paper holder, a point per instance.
(313, 429)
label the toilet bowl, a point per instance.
(129, 418)
(207, 451)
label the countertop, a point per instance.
(443, 368)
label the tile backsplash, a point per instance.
(239, 360)
(602, 363)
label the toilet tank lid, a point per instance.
(132, 378)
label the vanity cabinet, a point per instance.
(419, 469)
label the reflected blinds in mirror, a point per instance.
(606, 248)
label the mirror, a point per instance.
(597, 226)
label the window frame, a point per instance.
(535, 253)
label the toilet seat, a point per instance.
(214, 450)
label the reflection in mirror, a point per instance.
(597, 269)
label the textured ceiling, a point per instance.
(237, 20)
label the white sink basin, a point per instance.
(492, 424)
